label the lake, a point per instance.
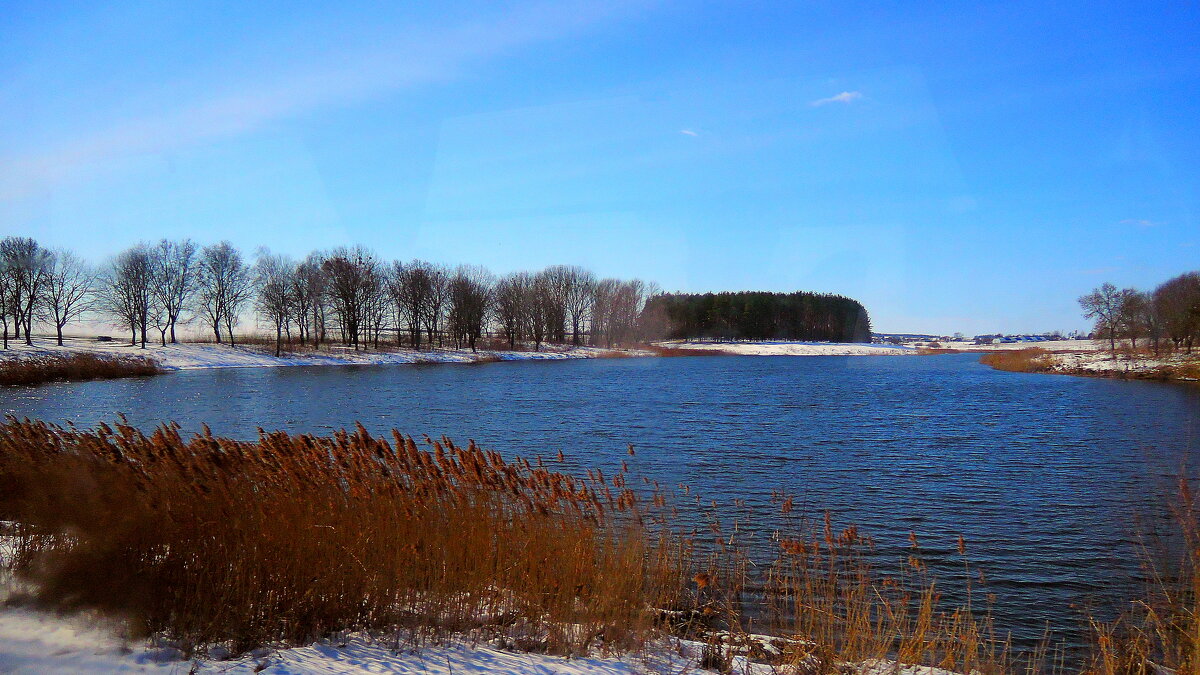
(1047, 477)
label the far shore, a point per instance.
(1068, 357)
(256, 354)
(203, 355)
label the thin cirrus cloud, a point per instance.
(1140, 222)
(688, 132)
(335, 81)
(844, 97)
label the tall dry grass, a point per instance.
(56, 367)
(292, 537)
(660, 350)
(1159, 631)
(1029, 360)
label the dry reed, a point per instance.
(60, 367)
(1159, 631)
(1029, 360)
(292, 537)
(660, 350)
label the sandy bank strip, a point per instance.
(781, 348)
(188, 356)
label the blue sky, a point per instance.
(956, 168)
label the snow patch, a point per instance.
(785, 348)
(188, 356)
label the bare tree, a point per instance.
(174, 279)
(1177, 305)
(70, 286)
(376, 303)
(556, 285)
(158, 317)
(6, 300)
(308, 297)
(626, 312)
(435, 307)
(578, 298)
(542, 304)
(126, 291)
(1134, 316)
(354, 285)
(470, 299)
(27, 265)
(1103, 305)
(412, 293)
(604, 299)
(273, 282)
(223, 288)
(511, 306)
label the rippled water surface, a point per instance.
(1045, 476)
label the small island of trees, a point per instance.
(762, 316)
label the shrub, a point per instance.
(292, 537)
(48, 368)
(1029, 360)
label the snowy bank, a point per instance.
(38, 642)
(192, 355)
(784, 348)
(1048, 345)
(1103, 364)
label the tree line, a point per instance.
(1164, 319)
(348, 295)
(763, 316)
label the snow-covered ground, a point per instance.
(206, 355)
(1048, 345)
(783, 348)
(1103, 363)
(38, 642)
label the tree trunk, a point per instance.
(59, 335)
(278, 339)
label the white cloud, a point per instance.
(1140, 222)
(844, 97)
(688, 132)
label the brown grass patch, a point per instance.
(55, 367)
(1030, 360)
(1159, 632)
(683, 351)
(287, 538)
(292, 537)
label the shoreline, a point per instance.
(1174, 368)
(207, 355)
(1063, 357)
(1099, 363)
